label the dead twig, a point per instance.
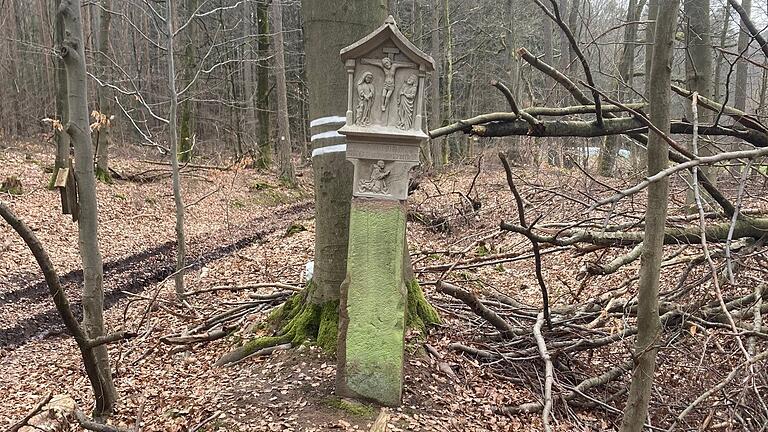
(32, 413)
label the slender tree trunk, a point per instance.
(287, 173)
(649, 327)
(73, 52)
(573, 24)
(262, 88)
(452, 148)
(15, 126)
(741, 82)
(436, 144)
(61, 138)
(742, 67)
(102, 60)
(186, 129)
(626, 72)
(699, 70)
(173, 139)
(717, 85)
(249, 12)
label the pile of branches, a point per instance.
(600, 327)
(714, 287)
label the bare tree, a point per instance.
(648, 323)
(287, 173)
(78, 128)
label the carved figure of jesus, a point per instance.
(389, 67)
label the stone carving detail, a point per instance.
(377, 184)
(365, 92)
(405, 103)
(389, 67)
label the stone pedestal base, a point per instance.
(373, 304)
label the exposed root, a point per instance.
(298, 320)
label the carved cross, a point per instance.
(390, 52)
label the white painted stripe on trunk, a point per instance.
(326, 135)
(339, 148)
(327, 120)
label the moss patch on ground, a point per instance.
(352, 407)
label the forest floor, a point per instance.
(244, 228)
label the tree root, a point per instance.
(298, 320)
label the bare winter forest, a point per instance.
(370, 215)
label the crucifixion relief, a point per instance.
(389, 66)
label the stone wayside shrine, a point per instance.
(384, 130)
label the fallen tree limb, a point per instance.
(32, 413)
(244, 287)
(477, 307)
(96, 427)
(582, 387)
(548, 373)
(748, 227)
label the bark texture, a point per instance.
(287, 173)
(173, 139)
(78, 128)
(329, 27)
(648, 322)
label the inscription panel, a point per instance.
(389, 152)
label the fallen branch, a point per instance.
(244, 287)
(548, 374)
(477, 307)
(96, 427)
(32, 413)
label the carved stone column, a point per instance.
(384, 130)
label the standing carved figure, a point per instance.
(389, 67)
(405, 103)
(365, 92)
(378, 180)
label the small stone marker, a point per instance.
(384, 130)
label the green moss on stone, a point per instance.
(352, 407)
(420, 313)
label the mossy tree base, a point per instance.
(298, 321)
(295, 322)
(103, 176)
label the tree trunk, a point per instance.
(436, 144)
(740, 84)
(249, 123)
(186, 130)
(717, 85)
(287, 173)
(61, 138)
(173, 139)
(451, 149)
(698, 68)
(264, 159)
(329, 27)
(648, 323)
(102, 60)
(73, 52)
(626, 72)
